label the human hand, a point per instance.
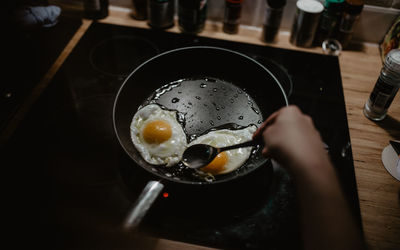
(292, 140)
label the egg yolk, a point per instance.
(157, 132)
(217, 165)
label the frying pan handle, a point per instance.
(142, 204)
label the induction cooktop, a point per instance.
(70, 171)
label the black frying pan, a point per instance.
(220, 88)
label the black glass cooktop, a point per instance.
(28, 55)
(69, 171)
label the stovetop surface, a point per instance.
(80, 183)
(28, 56)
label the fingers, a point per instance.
(265, 152)
(266, 130)
(265, 124)
(271, 119)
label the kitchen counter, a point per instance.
(379, 192)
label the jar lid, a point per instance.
(392, 60)
(310, 6)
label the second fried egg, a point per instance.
(230, 160)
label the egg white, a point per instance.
(227, 137)
(166, 153)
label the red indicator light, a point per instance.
(165, 195)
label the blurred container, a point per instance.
(331, 47)
(273, 18)
(305, 22)
(95, 9)
(352, 11)
(139, 9)
(161, 13)
(192, 15)
(329, 21)
(385, 88)
(391, 39)
(233, 9)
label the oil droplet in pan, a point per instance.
(255, 110)
(166, 88)
(192, 137)
(181, 118)
(210, 80)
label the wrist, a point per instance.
(315, 165)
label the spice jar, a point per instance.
(305, 22)
(385, 88)
(352, 11)
(233, 9)
(161, 13)
(273, 18)
(139, 9)
(192, 15)
(329, 20)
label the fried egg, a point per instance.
(230, 160)
(158, 136)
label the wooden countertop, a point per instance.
(379, 192)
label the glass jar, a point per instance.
(139, 9)
(385, 88)
(192, 15)
(273, 19)
(352, 11)
(161, 13)
(329, 20)
(233, 9)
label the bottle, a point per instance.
(139, 9)
(305, 22)
(192, 15)
(161, 13)
(329, 21)
(352, 11)
(233, 9)
(273, 18)
(385, 88)
(95, 9)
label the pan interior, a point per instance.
(208, 103)
(205, 104)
